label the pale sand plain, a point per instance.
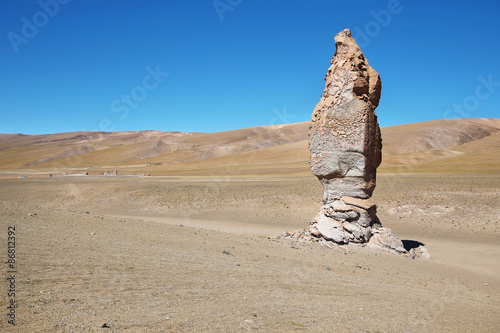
(194, 254)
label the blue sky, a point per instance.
(208, 66)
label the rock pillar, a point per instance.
(346, 149)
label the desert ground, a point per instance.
(192, 254)
(197, 247)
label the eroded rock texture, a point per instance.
(345, 142)
(346, 149)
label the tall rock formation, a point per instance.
(345, 141)
(346, 149)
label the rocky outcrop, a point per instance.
(344, 140)
(419, 253)
(346, 149)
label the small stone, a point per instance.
(314, 231)
(331, 230)
(423, 253)
(419, 253)
(384, 238)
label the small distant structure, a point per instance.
(22, 177)
(67, 174)
(110, 173)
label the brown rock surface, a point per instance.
(346, 149)
(345, 141)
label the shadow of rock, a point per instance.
(411, 244)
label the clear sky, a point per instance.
(208, 66)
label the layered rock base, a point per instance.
(345, 220)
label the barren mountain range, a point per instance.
(457, 145)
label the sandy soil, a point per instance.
(202, 254)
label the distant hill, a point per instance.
(459, 145)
